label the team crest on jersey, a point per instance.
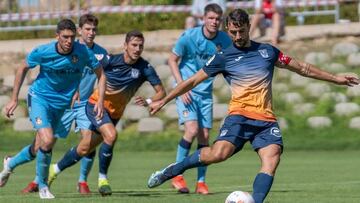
(275, 131)
(185, 113)
(264, 53)
(135, 73)
(74, 58)
(38, 121)
(99, 57)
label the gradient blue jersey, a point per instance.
(60, 74)
(89, 77)
(249, 72)
(195, 50)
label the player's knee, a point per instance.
(191, 132)
(83, 150)
(111, 138)
(218, 156)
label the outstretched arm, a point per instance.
(19, 79)
(180, 89)
(311, 71)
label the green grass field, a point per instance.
(303, 176)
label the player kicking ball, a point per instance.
(249, 67)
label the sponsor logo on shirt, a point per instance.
(264, 53)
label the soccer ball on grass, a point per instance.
(239, 197)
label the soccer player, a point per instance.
(62, 64)
(125, 73)
(87, 31)
(194, 47)
(248, 66)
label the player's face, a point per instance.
(66, 40)
(239, 34)
(134, 48)
(212, 21)
(87, 33)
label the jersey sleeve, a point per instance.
(34, 58)
(180, 46)
(151, 75)
(215, 65)
(93, 62)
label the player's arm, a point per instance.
(99, 107)
(159, 94)
(180, 89)
(19, 79)
(311, 71)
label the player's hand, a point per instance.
(186, 98)
(10, 108)
(140, 101)
(99, 110)
(156, 106)
(76, 98)
(347, 80)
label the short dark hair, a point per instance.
(133, 33)
(238, 17)
(88, 19)
(65, 24)
(214, 8)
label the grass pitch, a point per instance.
(303, 176)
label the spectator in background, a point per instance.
(197, 11)
(269, 13)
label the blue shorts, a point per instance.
(77, 114)
(95, 124)
(42, 115)
(200, 109)
(238, 130)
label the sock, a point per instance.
(22, 157)
(70, 158)
(261, 186)
(85, 167)
(201, 169)
(182, 150)
(105, 157)
(42, 166)
(191, 161)
(36, 180)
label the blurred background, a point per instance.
(312, 114)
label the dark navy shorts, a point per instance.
(95, 124)
(238, 130)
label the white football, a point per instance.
(239, 197)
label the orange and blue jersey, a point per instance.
(249, 71)
(123, 80)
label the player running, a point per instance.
(87, 31)
(62, 64)
(195, 108)
(125, 73)
(248, 66)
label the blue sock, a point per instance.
(182, 150)
(261, 186)
(105, 157)
(201, 169)
(42, 166)
(191, 161)
(22, 157)
(70, 158)
(85, 167)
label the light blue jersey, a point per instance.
(89, 77)
(60, 74)
(195, 49)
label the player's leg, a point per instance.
(218, 152)
(109, 135)
(205, 118)
(268, 144)
(187, 117)
(86, 162)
